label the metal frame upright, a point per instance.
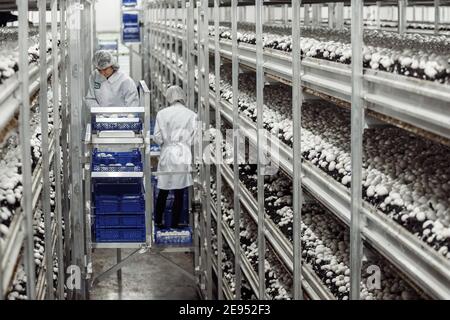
(357, 120)
(339, 10)
(316, 14)
(297, 98)
(26, 148)
(75, 145)
(402, 17)
(65, 108)
(203, 111)
(437, 16)
(307, 16)
(260, 153)
(236, 149)
(219, 158)
(184, 45)
(170, 38)
(177, 48)
(331, 15)
(57, 165)
(43, 107)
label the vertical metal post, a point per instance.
(236, 129)
(260, 153)
(119, 259)
(94, 28)
(297, 98)
(22, 6)
(177, 49)
(356, 149)
(217, 63)
(170, 42)
(436, 16)
(198, 148)
(184, 45)
(331, 10)
(146, 103)
(316, 14)
(43, 107)
(64, 133)
(307, 19)
(166, 42)
(86, 60)
(57, 159)
(378, 15)
(203, 21)
(160, 45)
(76, 85)
(156, 48)
(402, 5)
(144, 46)
(340, 15)
(285, 14)
(190, 88)
(190, 55)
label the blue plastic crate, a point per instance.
(119, 235)
(101, 126)
(182, 236)
(132, 203)
(117, 220)
(103, 161)
(106, 204)
(115, 168)
(155, 147)
(113, 187)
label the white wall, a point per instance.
(108, 15)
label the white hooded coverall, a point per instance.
(119, 90)
(175, 129)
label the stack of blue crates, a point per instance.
(119, 204)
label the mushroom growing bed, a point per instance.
(9, 55)
(228, 266)
(404, 176)
(11, 194)
(10, 168)
(278, 281)
(325, 242)
(415, 55)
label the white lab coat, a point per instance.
(117, 91)
(175, 129)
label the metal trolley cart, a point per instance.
(118, 194)
(119, 188)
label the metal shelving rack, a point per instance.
(16, 94)
(415, 105)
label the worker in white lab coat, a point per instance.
(175, 129)
(108, 86)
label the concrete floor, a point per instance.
(147, 276)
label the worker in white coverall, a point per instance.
(108, 86)
(175, 129)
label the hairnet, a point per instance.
(174, 94)
(104, 59)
